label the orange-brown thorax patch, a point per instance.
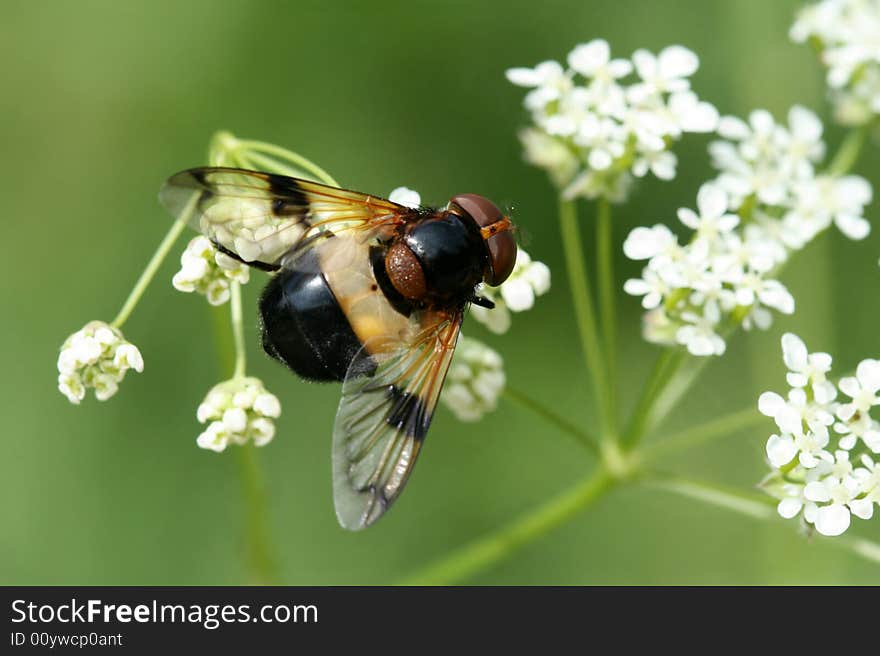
(405, 271)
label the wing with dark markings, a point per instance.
(388, 399)
(261, 217)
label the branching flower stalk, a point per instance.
(600, 124)
(585, 316)
(775, 218)
(239, 410)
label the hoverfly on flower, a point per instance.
(366, 292)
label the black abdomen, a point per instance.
(304, 327)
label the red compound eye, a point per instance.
(496, 233)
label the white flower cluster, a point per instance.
(769, 171)
(845, 34)
(516, 294)
(96, 357)
(766, 201)
(207, 271)
(475, 380)
(239, 410)
(593, 130)
(821, 457)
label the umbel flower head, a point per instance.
(237, 411)
(845, 34)
(824, 453)
(766, 201)
(96, 357)
(206, 270)
(593, 130)
(475, 380)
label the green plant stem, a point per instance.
(703, 433)
(583, 308)
(261, 554)
(664, 366)
(685, 373)
(605, 258)
(483, 553)
(149, 272)
(261, 562)
(282, 153)
(551, 417)
(237, 329)
(673, 375)
(655, 406)
(753, 505)
(257, 162)
(848, 152)
(758, 507)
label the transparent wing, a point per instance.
(261, 217)
(388, 399)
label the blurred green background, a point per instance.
(101, 101)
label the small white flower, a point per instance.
(496, 319)
(859, 426)
(837, 488)
(752, 287)
(528, 280)
(699, 332)
(406, 197)
(647, 243)
(237, 411)
(651, 286)
(207, 271)
(128, 357)
(267, 405)
(805, 144)
(213, 438)
(819, 201)
(659, 328)
(862, 389)
(664, 73)
(868, 478)
(832, 519)
(475, 380)
(659, 162)
(691, 114)
(551, 154)
(548, 79)
(850, 195)
(807, 368)
(781, 450)
(604, 138)
(593, 60)
(544, 74)
(96, 357)
(713, 219)
(793, 501)
(791, 416)
(262, 430)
